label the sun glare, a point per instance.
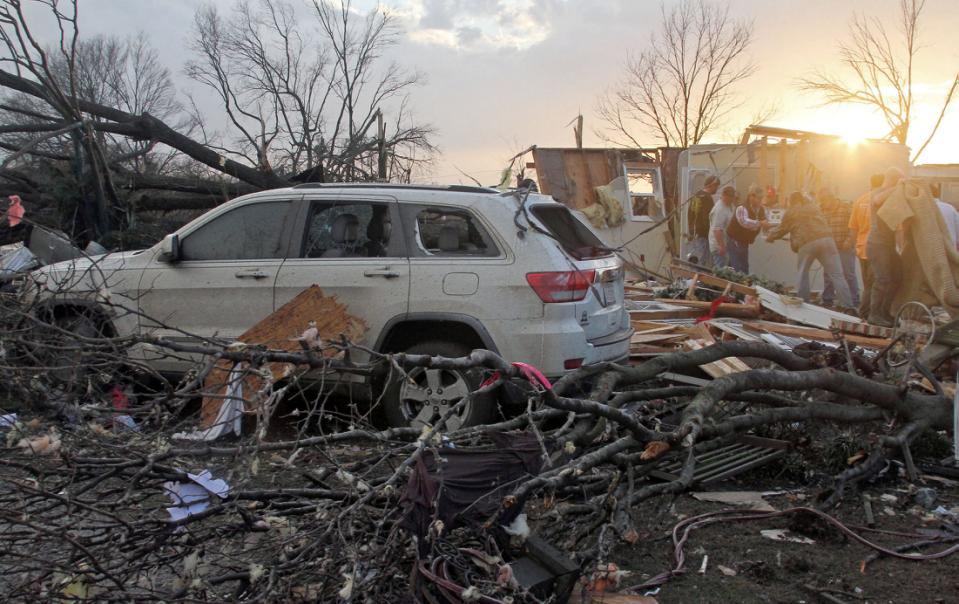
(853, 139)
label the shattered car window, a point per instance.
(449, 232)
(349, 230)
(570, 232)
(249, 232)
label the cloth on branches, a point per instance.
(466, 486)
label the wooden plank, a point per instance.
(742, 311)
(650, 315)
(701, 338)
(713, 280)
(691, 291)
(278, 331)
(805, 313)
(812, 333)
(644, 349)
(862, 329)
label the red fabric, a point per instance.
(120, 400)
(713, 308)
(15, 212)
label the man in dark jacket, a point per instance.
(811, 238)
(697, 221)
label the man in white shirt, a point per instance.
(719, 218)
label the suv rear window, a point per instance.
(572, 234)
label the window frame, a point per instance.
(286, 233)
(657, 194)
(409, 212)
(298, 243)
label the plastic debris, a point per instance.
(191, 498)
(8, 421)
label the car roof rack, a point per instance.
(386, 185)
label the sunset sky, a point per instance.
(501, 75)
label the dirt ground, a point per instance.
(771, 571)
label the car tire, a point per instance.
(406, 404)
(69, 370)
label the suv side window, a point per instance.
(249, 232)
(351, 229)
(447, 232)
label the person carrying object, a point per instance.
(811, 238)
(882, 254)
(743, 229)
(859, 231)
(837, 214)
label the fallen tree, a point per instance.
(343, 508)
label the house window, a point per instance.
(643, 186)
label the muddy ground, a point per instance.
(770, 571)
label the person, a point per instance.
(859, 231)
(697, 220)
(743, 229)
(719, 218)
(949, 215)
(837, 214)
(882, 254)
(772, 199)
(811, 238)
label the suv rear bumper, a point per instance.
(549, 344)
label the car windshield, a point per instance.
(570, 232)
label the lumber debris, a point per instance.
(282, 331)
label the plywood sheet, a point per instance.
(279, 331)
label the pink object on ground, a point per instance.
(532, 375)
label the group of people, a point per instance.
(821, 229)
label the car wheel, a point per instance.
(430, 393)
(65, 355)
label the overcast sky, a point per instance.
(504, 74)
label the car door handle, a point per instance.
(384, 272)
(251, 274)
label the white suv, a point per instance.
(439, 270)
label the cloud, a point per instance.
(475, 25)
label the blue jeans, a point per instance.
(699, 247)
(848, 260)
(823, 250)
(738, 255)
(720, 260)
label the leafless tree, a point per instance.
(308, 95)
(682, 85)
(28, 57)
(310, 101)
(880, 66)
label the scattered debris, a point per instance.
(785, 535)
(750, 499)
(194, 497)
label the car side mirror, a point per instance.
(169, 249)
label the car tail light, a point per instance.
(572, 363)
(561, 286)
